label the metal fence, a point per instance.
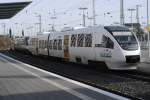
(144, 49)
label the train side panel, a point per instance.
(80, 51)
(33, 45)
(42, 45)
(55, 44)
(84, 45)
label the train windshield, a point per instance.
(126, 40)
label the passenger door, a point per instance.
(108, 47)
(104, 48)
(66, 47)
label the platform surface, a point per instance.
(19, 81)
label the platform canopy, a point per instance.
(8, 10)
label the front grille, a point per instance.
(133, 59)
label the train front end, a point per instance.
(127, 54)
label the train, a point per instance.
(116, 46)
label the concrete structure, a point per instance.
(19, 81)
(8, 10)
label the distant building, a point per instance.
(5, 42)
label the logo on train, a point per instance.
(106, 53)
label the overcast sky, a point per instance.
(68, 13)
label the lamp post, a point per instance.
(131, 9)
(148, 30)
(122, 12)
(137, 13)
(40, 22)
(94, 15)
(53, 25)
(53, 18)
(83, 9)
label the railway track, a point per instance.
(137, 75)
(125, 83)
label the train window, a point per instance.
(59, 44)
(107, 42)
(45, 43)
(88, 40)
(42, 44)
(26, 41)
(36, 43)
(73, 40)
(80, 40)
(33, 41)
(50, 44)
(55, 44)
(39, 44)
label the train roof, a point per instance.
(116, 28)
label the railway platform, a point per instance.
(145, 61)
(20, 81)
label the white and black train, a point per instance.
(116, 46)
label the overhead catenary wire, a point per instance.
(63, 11)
